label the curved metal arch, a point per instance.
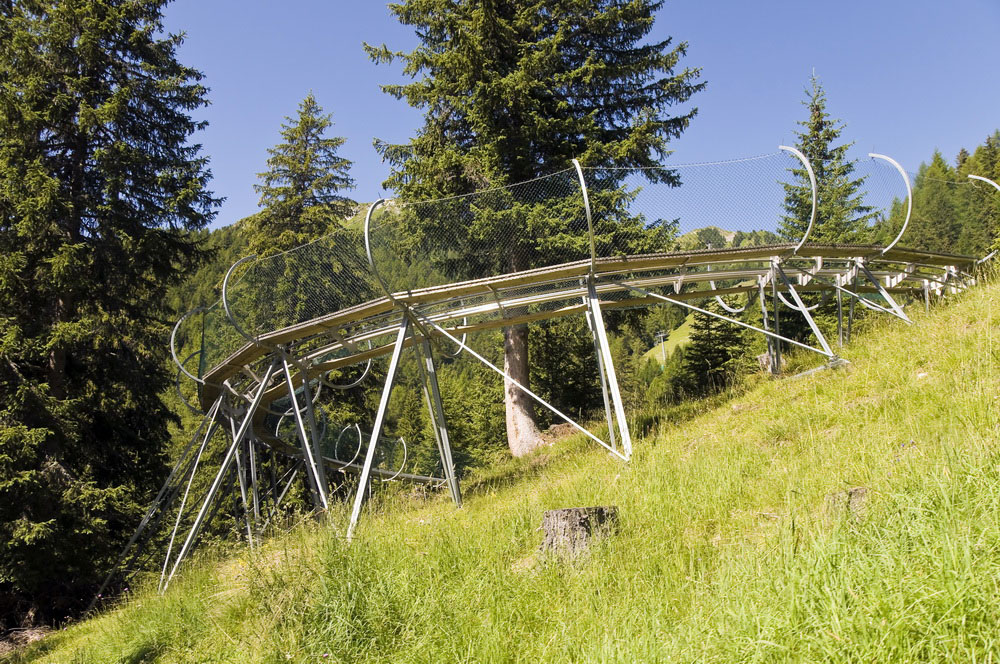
(402, 465)
(368, 248)
(225, 299)
(812, 182)
(177, 383)
(364, 374)
(336, 445)
(590, 219)
(173, 345)
(909, 196)
(824, 298)
(987, 181)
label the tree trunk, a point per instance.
(523, 435)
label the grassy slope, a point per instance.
(725, 551)
(677, 337)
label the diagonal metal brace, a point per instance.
(740, 323)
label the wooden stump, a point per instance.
(852, 503)
(569, 532)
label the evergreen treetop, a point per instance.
(300, 193)
(841, 214)
(514, 90)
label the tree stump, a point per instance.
(569, 532)
(851, 502)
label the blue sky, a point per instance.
(906, 76)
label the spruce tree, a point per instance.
(841, 215)
(98, 186)
(300, 193)
(711, 354)
(515, 89)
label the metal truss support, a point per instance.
(609, 368)
(734, 321)
(840, 319)
(896, 309)
(432, 395)
(609, 415)
(309, 447)
(802, 309)
(390, 379)
(223, 469)
(184, 498)
(451, 337)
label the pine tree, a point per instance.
(841, 215)
(98, 186)
(512, 90)
(300, 193)
(711, 354)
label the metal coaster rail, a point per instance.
(290, 363)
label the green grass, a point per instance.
(726, 551)
(677, 337)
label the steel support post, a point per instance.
(776, 303)
(605, 349)
(241, 480)
(255, 496)
(771, 343)
(390, 378)
(840, 318)
(312, 473)
(432, 395)
(927, 296)
(226, 462)
(604, 381)
(314, 434)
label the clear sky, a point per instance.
(907, 76)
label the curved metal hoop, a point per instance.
(173, 346)
(987, 181)
(909, 196)
(364, 374)
(465, 336)
(402, 465)
(824, 298)
(726, 307)
(225, 299)
(590, 219)
(368, 249)
(812, 183)
(336, 445)
(177, 382)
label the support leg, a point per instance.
(603, 376)
(226, 462)
(432, 394)
(609, 366)
(383, 405)
(840, 319)
(312, 463)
